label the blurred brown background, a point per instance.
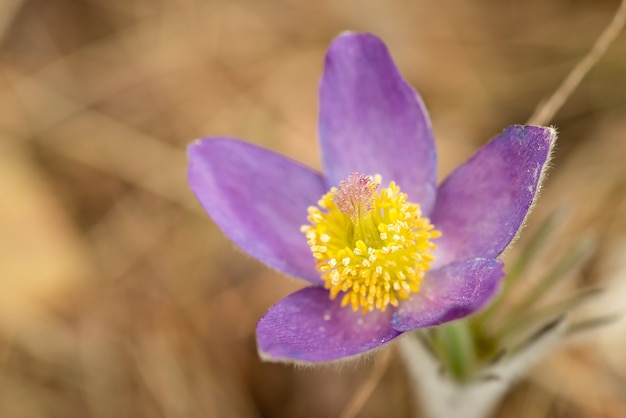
(120, 298)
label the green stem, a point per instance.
(454, 345)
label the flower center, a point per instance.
(371, 246)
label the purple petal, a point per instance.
(373, 122)
(259, 199)
(482, 204)
(451, 292)
(307, 326)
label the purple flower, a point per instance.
(407, 255)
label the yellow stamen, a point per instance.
(372, 247)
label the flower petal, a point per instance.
(483, 203)
(451, 292)
(259, 199)
(373, 122)
(307, 326)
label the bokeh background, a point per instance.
(120, 298)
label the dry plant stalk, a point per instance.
(547, 109)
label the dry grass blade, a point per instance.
(546, 110)
(364, 391)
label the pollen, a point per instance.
(371, 246)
